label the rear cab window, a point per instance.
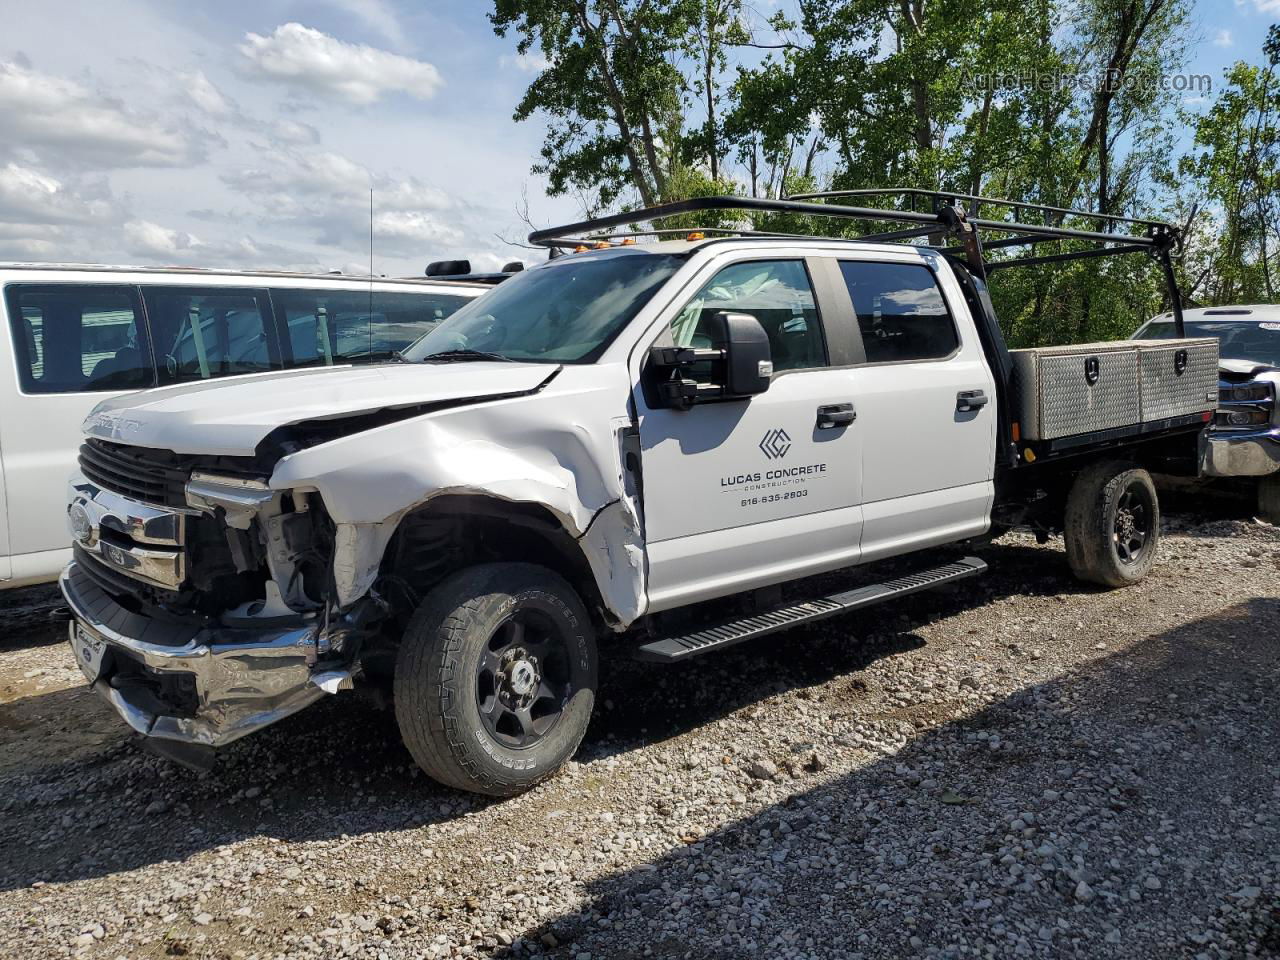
(78, 338)
(901, 313)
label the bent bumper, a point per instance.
(1249, 454)
(196, 684)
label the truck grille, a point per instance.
(150, 476)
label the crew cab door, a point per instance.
(926, 405)
(746, 492)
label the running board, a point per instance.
(672, 649)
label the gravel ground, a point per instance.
(1018, 767)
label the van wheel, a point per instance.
(1112, 524)
(495, 678)
(1269, 499)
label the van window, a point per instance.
(900, 311)
(345, 326)
(72, 338)
(204, 333)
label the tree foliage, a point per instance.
(1056, 102)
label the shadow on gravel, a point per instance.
(75, 789)
(1161, 757)
(26, 617)
(648, 704)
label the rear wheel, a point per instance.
(1269, 499)
(1112, 524)
(495, 679)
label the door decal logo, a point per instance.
(775, 444)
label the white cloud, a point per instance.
(415, 226)
(151, 239)
(291, 181)
(525, 62)
(325, 66)
(29, 241)
(1267, 6)
(327, 195)
(285, 130)
(38, 110)
(1222, 38)
(206, 96)
(152, 242)
(28, 196)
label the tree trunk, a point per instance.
(617, 106)
(912, 12)
(713, 146)
(1104, 163)
(984, 122)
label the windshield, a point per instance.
(567, 311)
(1239, 339)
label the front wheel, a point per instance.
(495, 678)
(1112, 524)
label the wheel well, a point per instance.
(453, 531)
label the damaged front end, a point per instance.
(203, 601)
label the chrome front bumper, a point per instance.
(141, 540)
(1254, 453)
(239, 680)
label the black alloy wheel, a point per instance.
(523, 683)
(1134, 512)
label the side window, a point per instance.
(205, 333)
(71, 338)
(350, 326)
(901, 312)
(775, 292)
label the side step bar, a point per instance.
(723, 635)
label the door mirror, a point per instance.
(739, 363)
(748, 358)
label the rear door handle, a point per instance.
(968, 400)
(833, 415)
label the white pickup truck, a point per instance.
(604, 445)
(1244, 442)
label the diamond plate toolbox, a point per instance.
(1081, 388)
(1179, 377)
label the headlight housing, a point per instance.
(1246, 393)
(1243, 418)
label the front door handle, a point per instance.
(833, 415)
(968, 400)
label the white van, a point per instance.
(80, 334)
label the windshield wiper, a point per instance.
(453, 356)
(394, 356)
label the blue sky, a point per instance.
(249, 133)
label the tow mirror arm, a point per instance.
(741, 364)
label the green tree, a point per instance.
(1236, 165)
(610, 86)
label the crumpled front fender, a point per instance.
(559, 450)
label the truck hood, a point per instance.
(1243, 368)
(230, 417)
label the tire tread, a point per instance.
(431, 649)
(1088, 527)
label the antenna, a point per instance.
(369, 322)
